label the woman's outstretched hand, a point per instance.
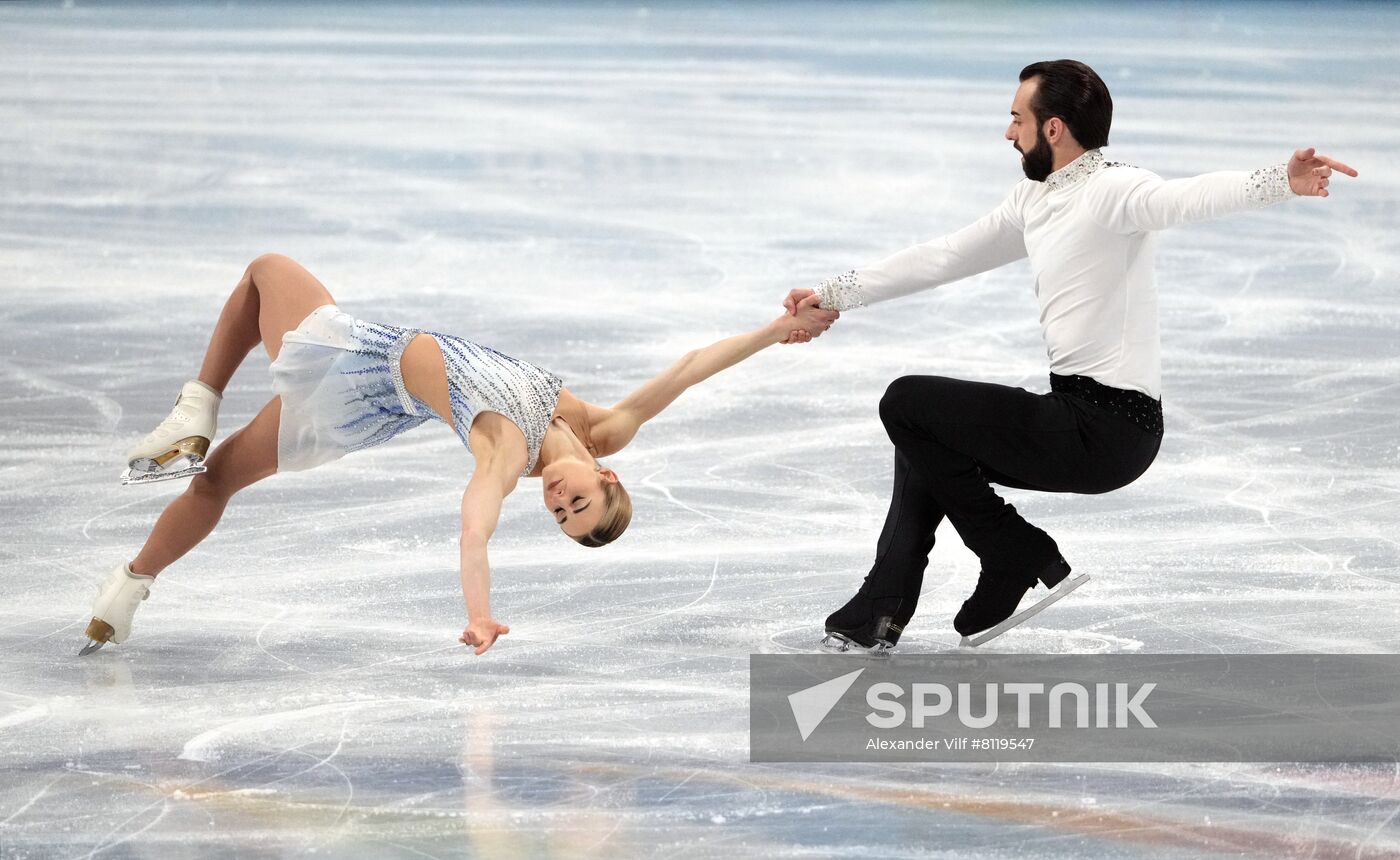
(804, 319)
(482, 634)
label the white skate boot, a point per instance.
(176, 449)
(117, 599)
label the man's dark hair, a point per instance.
(1076, 94)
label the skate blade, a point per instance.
(134, 476)
(1060, 591)
(835, 643)
(98, 632)
(181, 460)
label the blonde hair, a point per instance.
(617, 514)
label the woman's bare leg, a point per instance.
(241, 460)
(273, 297)
(275, 294)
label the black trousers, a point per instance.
(954, 438)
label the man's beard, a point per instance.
(1040, 161)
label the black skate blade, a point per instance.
(92, 646)
(130, 477)
(835, 643)
(1061, 590)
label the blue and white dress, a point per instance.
(342, 389)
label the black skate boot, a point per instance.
(997, 595)
(868, 624)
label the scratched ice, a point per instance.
(598, 189)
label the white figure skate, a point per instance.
(176, 449)
(117, 599)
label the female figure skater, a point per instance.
(343, 384)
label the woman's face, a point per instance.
(573, 494)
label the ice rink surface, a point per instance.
(598, 188)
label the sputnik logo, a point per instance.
(810, 706)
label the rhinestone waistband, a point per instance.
(395, 356)
(1143, 410)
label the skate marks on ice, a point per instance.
(514, 786)
(477, 761)
(1044, 817)
(30, 393)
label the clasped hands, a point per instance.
(804, 319)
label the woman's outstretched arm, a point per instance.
(696, 366)
(498, 468)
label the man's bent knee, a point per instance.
(899, 394)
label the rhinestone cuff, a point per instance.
(842, 292)
(1268, 185)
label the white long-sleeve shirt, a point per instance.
(1090, 232)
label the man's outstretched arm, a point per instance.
(994, 240)
(1135, 200)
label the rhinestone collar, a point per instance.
(1076, 171)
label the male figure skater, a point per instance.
(1089, 227)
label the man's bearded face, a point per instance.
(1037, 163)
